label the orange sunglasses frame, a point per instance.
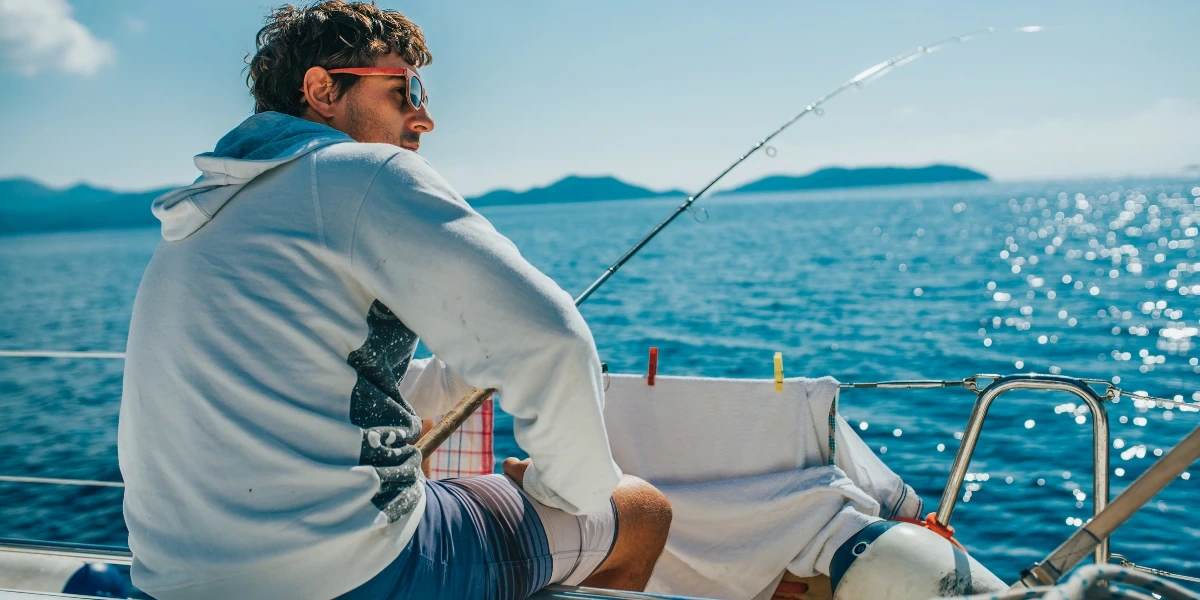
(405, 72)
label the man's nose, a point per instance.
(421, 122)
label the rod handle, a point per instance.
(441, 430)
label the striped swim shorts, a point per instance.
(482, 537)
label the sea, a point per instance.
(1095, 279)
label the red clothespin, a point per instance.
(652, 370)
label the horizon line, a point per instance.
(1190, 170)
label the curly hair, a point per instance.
(331, 34)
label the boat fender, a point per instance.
(97, 579)
(890, 560)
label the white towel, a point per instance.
(747, 471)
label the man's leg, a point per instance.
(478, 538)
(643, 521)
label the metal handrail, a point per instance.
(962, 460)
(61, 481)
(113, 555)
(59, 354)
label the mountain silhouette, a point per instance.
(26, 205)
(572, 188)
(838, 177)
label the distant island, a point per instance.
(573, 188)
(591, 189)
(26, 205)
(838, 177)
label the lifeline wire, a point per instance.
(919, 384)
(1125, 562)
(1186, 406)
(859, 80)
(908, 384)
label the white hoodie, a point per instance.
(263, 438)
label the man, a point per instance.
(264, 438)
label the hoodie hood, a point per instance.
(259, 144)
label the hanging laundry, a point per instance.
(749, 474)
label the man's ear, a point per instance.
(319, 91)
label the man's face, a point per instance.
(377, 110)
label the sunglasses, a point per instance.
(416, 90)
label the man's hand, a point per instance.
(515, 469)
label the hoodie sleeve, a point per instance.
(432, 388)
(495, 320)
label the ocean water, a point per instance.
(1092, 278)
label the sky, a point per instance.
(664, 93)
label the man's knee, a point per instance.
(644, 513)
(643, 522)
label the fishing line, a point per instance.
(857, 81)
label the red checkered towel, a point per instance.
(468, 451)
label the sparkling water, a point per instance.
(1089, 278)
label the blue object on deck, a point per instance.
(97, 579)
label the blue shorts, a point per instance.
(482, 537)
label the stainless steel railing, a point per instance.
(962, 460)
(113, 555)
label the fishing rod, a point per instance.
(859, 80)
(458, 415)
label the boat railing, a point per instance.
(113, 555)
(1029, 381)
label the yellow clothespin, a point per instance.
(779, 371)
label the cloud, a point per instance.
(42, 35)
